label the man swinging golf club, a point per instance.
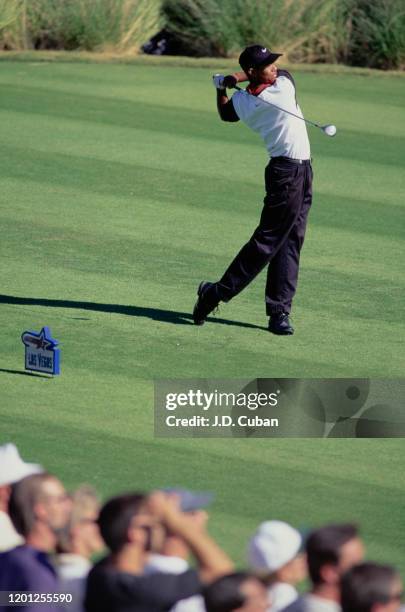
(278, 239)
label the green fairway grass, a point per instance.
(118, 184)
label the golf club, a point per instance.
(329, 130)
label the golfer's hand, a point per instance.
(218, 81)
(229, 81)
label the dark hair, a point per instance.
(224, 594)
(365, 585)
(24, 495)
(324, 545)
(116, 516)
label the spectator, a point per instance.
(12, 469)
(173, 558)
(38, 508)
(331, 551)
(133, 526)
(239, 592)
(371, 588)
(276, 552)
(77, 542)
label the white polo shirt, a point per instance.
(283, 134)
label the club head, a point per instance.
(329, 130)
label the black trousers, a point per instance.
(278, 239)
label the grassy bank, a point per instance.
(172, 61)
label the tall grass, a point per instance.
(306, 30)
(9, 12)
(358, 32)
(11, 23)
(121, 25)
(378, 38)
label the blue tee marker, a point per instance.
(41, 354)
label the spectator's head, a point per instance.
(127, 521)
(276, 550)
(331, 551)
(238, 592)
(12, 469)
(39, 508)
(370, 587)
(81, 535)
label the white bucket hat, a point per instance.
(12, 467)
(274, 545)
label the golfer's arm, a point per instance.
(225, 107)
(213, 562)
(240, 76)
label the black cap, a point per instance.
(255, 56)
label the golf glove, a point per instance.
(230, 81)
(218, 81)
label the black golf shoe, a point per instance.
(279, 324)
(207, 302)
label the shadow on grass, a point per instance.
(156, 314)
(22, 373)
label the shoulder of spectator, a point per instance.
(297, 606)
(168, 589)
(162, 589)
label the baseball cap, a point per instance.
(12, 467)
(274, 544)
(257, 55)
(191, 500)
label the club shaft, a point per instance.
(284, 110)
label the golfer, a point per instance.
(278, 239)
